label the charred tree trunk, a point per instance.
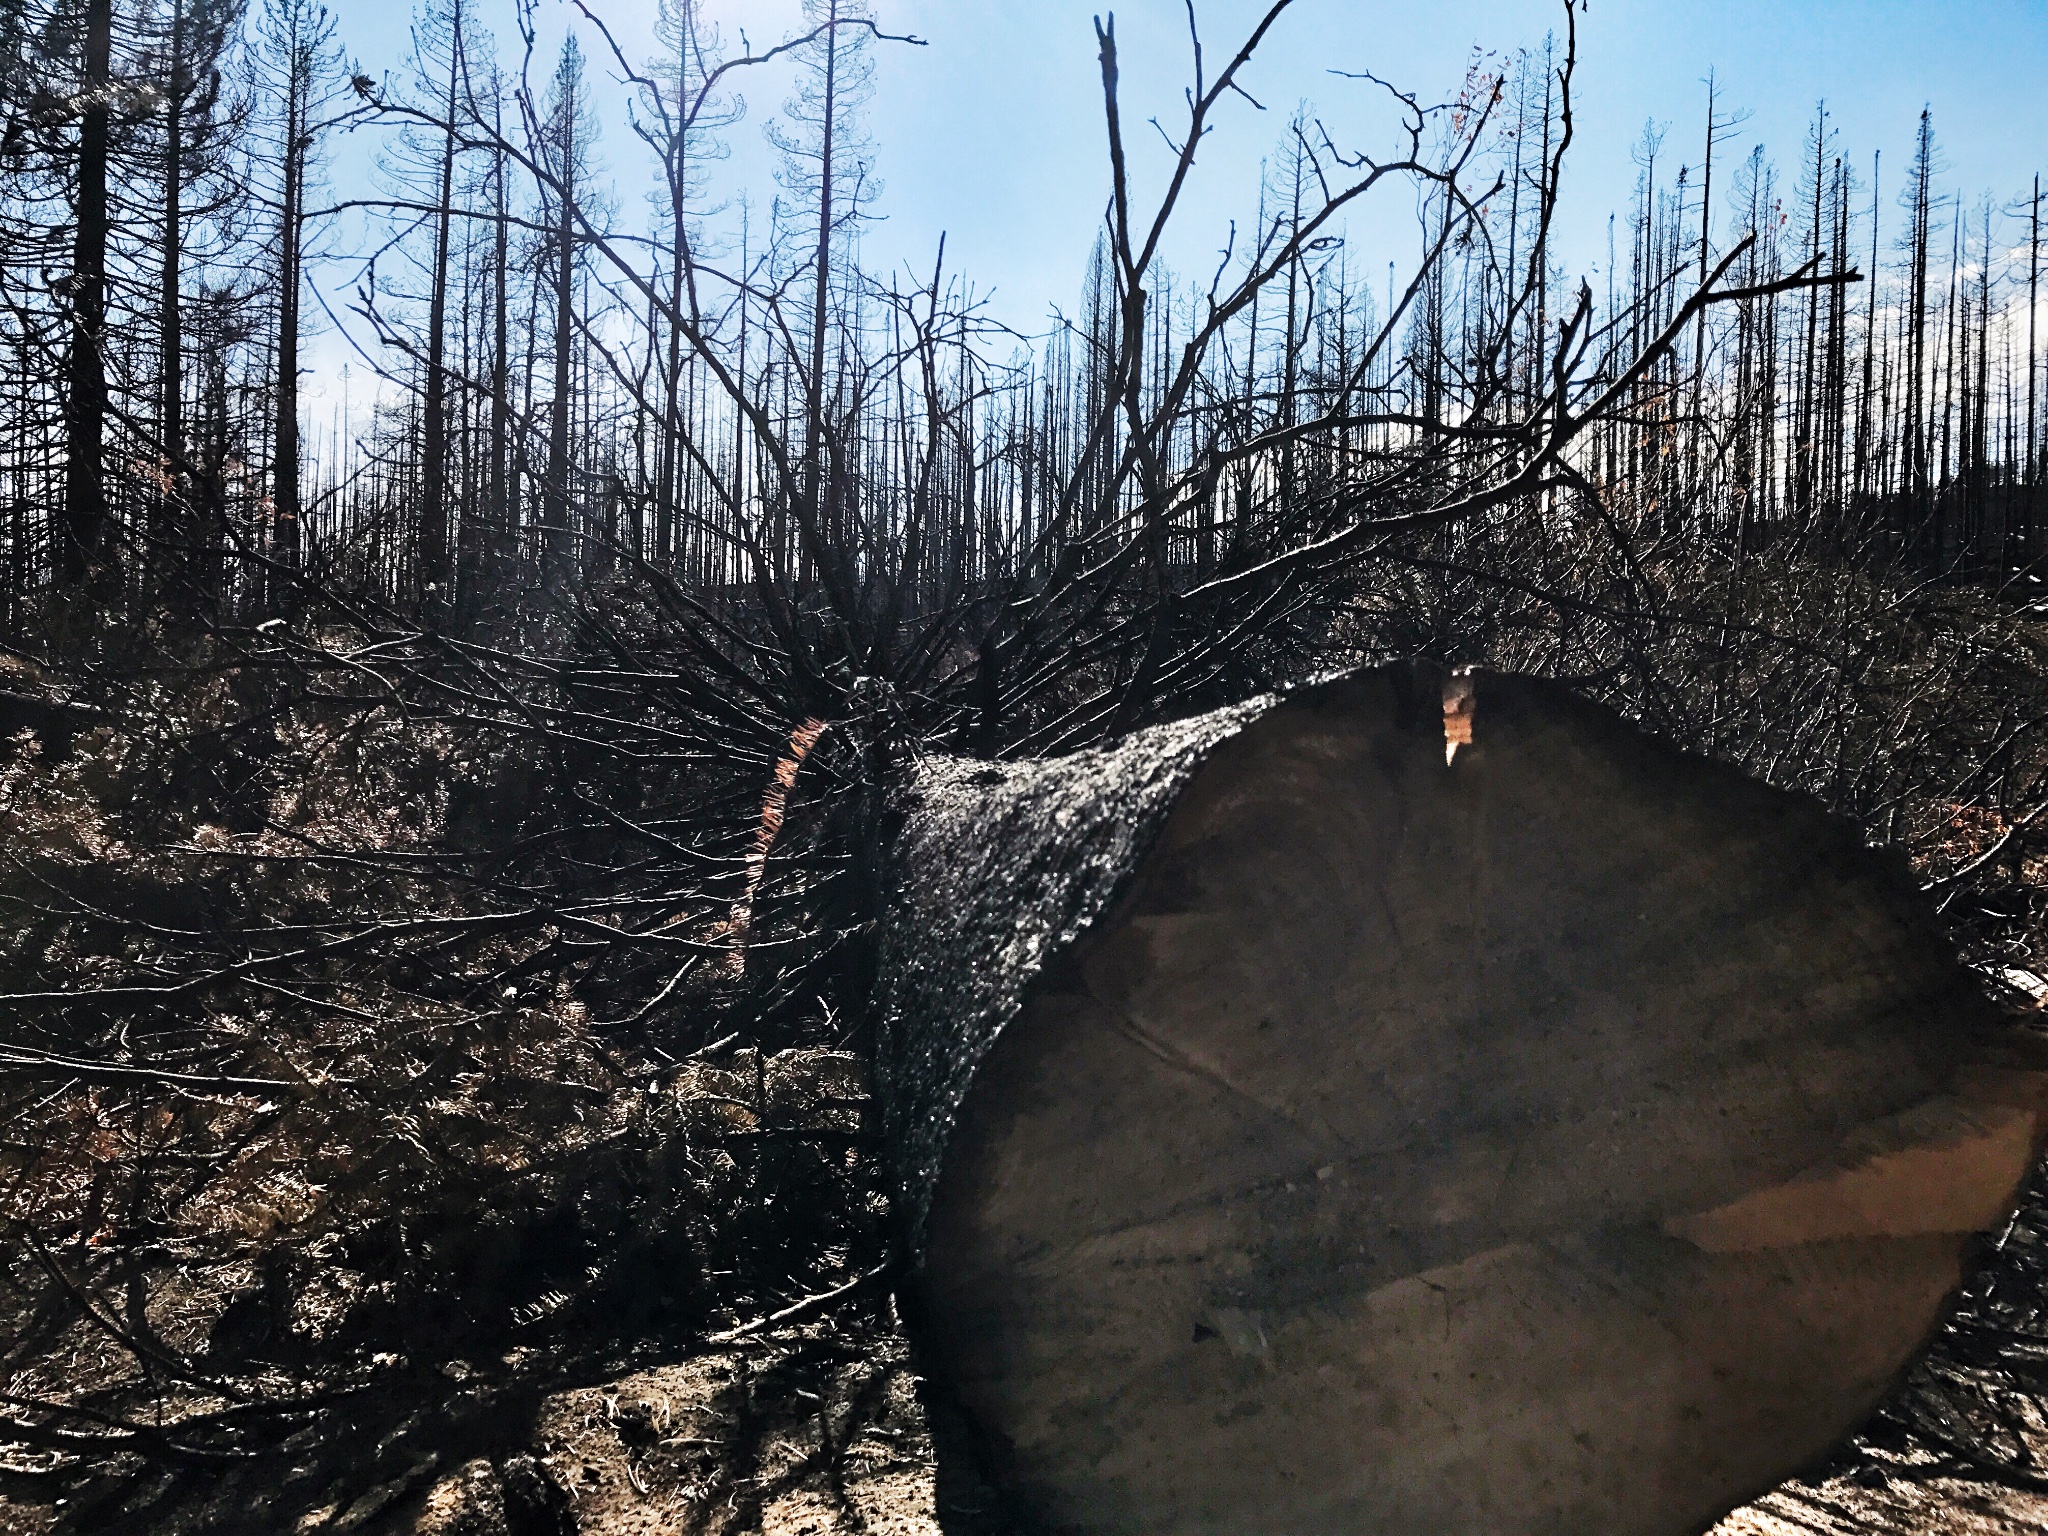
(286, 538)
(81, 547)
(821, 295)
(170, 528)
(1298, 1132)
(498, 543)
(558, 549)
(433, 575)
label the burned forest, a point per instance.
(662, 874)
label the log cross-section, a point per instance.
(1298, 1133)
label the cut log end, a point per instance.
(1575, 1136)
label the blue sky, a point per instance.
(992, 133)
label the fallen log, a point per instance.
(1296, 1131)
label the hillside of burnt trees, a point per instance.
(551, 385)
(442, 842)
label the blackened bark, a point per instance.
(286, 547)
(557, 545)
(170, 299)
(81, 546)
(434, 576)
(497, 545)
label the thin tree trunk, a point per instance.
(814, 385)
(170, 337)
(285, 538)
(433, 574)
(497, 544)
(668, 468)
(558, 550)
(2030, 466)
(81, 548)
(1918, 489)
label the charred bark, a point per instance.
(82, 541)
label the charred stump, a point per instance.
(1296, 1131)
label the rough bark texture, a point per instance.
(1002, 867)
(1298, 1132)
